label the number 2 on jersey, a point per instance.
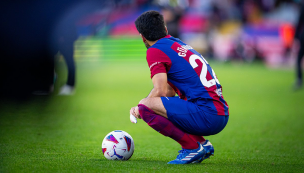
(204, 69)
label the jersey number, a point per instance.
(203, 75)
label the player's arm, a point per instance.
(171, 92)
(160, 89)
(160, 84)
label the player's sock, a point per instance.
(187, 142)
(166, 127)
(197, 138)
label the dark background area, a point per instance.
(27, 64)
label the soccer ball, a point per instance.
(118, 145)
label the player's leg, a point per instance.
(188, 118)
(195, 121)
(155, 104)
(198, 138)
(165, 127)
(67, 50)
(191, 151)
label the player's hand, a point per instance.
(134, 111)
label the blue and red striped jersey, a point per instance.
(189, 74)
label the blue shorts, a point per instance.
(191, 118)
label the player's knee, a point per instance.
(145, 102)
(145, 113)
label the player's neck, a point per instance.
(151, 43)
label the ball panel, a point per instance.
(104, 150)
(111, 138)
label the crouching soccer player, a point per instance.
(176, 68)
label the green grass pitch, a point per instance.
(64, 133)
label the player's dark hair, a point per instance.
(151, 25)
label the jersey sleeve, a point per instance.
(158, 61)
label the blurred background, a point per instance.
(35, 35)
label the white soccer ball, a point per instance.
(118, 145)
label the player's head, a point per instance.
(151, 25)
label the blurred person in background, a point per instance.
(173, 10)
(299, 37)
(63, 39)
(64, 34)
(172, 18)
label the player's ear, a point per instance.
(166, 29)
(143, 38)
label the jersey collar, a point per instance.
(167, 36)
